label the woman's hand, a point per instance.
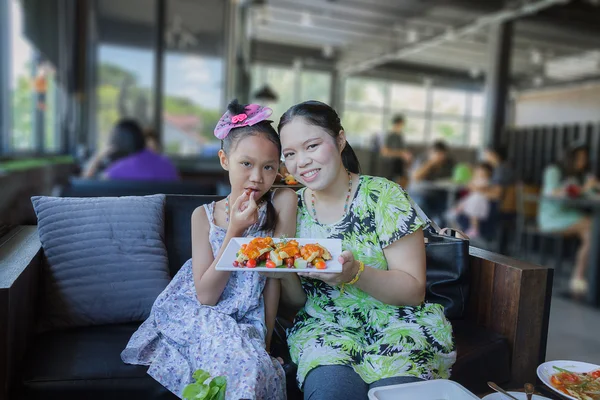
(244, 213)
(349, 270)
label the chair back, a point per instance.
(78, 187)
(178, 227)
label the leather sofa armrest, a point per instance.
(512, 298)
(20, 257)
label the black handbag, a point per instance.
(447, 254)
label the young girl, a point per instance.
(220, 321)
(475, 205)
(367, 326)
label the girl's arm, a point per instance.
(286, 205)
(271, 296)
(209, 282)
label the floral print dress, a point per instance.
(352, 328)
(181, 335)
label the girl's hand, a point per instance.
(244, 212)
(349, 270)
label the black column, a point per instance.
(159, 57)
(497, 82)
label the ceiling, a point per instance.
(352, 31)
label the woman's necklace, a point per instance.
(346, 203)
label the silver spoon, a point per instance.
(500, 390)
(529, 389)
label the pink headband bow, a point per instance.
(253, 115)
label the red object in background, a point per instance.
(573, 190)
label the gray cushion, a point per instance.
(107, 260)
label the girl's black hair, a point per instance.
(323, 116)
(264, 129)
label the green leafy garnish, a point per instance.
(200, 390)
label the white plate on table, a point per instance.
(518, 395)
(546, 370)
(437, 389)
(334, 246)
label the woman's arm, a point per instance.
(286, 205)
(403, 284)
(271, 294)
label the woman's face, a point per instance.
(311, 155)
(252, 164)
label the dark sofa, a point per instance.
(501, 338)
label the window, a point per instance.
(290, 86)
(477, 106)
(415, 129)
(370, 104)
(315, 86)
(365, 92)
(449, 102)
(451, 131)
(361, 126)
(22, 93)
(193, 78)
(405, 97)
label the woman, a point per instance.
(128, 158)
(557, 218)
(367, 326)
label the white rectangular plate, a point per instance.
(334, 246)
(438, 389)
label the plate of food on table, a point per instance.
(281, 255)
(573, 380)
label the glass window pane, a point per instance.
(365, 91)
(476, 134)
(193, 78)
(450, 131)
(449, 102)
(414, 132)
(51, 142)
(315, 86)
(281, 81)
(21, 84)
(477, 105)
(408, 97)
(360, 127)
(125, 71)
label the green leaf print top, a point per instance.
(376, 339)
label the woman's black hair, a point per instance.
(127, 138)
(322, 115)
(265, 129)
(568, 163)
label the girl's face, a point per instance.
(252, 164)
(311, 155)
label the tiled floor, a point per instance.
(574, 332)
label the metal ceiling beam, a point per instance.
(478, 24)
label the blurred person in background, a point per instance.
(475, 206)
(502, 176)
(127, 157)
(436, 164)
(570, 177)
(394, 149)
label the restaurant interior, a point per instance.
(464, 104)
